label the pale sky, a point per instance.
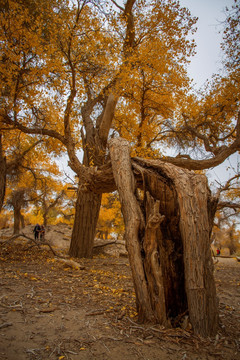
(211, 14)
(207, 61)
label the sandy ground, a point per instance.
(49, 310)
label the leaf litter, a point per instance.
(51, 309)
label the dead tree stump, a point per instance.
(168, 240)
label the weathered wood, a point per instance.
(121, 165)
(169, 243)
(193, 197)
(194, 225)
(71, 263)
(3, 170)
(152, 265)
(168, 240)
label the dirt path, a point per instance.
(51, 311)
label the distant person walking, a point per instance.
(218, 252)
(36, 231)
(42, 233)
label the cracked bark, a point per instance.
(168, 240)
(2, 174)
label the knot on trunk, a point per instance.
(155, 220)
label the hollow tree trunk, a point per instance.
(84, 228)
(193, 197)
(166, 248)
(2, 175)
(151, 260)
(168, 241)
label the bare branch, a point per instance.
(34, 130)
(35, 242)
(118, 6)
(205, 140)
(227, 186)
(229, 205)
(192, 164)
(107, 117)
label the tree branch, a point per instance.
(34, 130)
(228, 204)
(118, 6)
(17, 161)
(112, 99)
(227, 185)
(191, 164)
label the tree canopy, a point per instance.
(76, 73)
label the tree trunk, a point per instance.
(22, 221)
(85, 222)
(2, 175)
(17, 203)
(231, 243)
(88, 203)
(45, 218)
(168, 241)
(194, 197)
(134, 223)
(17, 219)
(152, 262)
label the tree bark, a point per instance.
(85, 223)
(3, 171)
(22, 220)
(17, 219)
(45, 219)
(17, 202)
(193, 196)
(168, 241)
(134, 222)
(151, 260)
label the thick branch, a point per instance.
(34, 130)
(228, 204)
(192, 164)
(130, 33)
(205, 140)
(112, 99)
(107, 118)
(118, 6)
